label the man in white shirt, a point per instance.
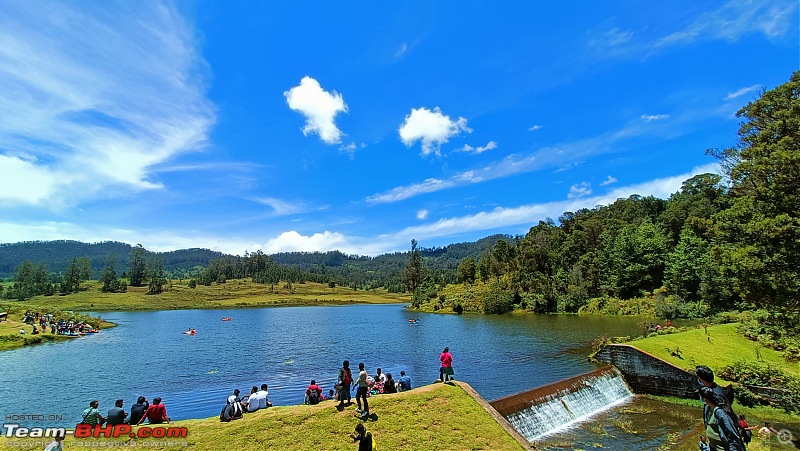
(254, 401)
(263, 397)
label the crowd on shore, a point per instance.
(42, 322)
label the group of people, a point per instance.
(41, 322)
(155, 413)
(236, 407)
(724, 430)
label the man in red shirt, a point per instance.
(446, 371)
(156, 413)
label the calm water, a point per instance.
(286, 347)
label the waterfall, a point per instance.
(554, 407)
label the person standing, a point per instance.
(361, 392)
(344, 381)
(722, 427)
(446, 370)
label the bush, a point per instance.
(764, 374)
(498, 301)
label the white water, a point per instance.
(565, 408)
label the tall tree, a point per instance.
(466, 270)
(137, 264)
(758, 237)
(414, 273)
(155, 275)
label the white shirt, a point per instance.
(54, 446)
(254, 401)
(263, 398)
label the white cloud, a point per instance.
(534, 128)
(319, 107)
(741, 92)
(431, 127)
(582, 189)
(654, 117)
(401, 51)
(280, 207)
(610, 180)
(480, 149)
(422, 214)
(295, 242)
(349, 149)
(94, 98)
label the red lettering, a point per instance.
(121, 429)
(177, 432)
(144, 432)
(100, 431)
(83, 430)
(159, 432)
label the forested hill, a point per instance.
(57, 255)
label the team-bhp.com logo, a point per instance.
(14, 430)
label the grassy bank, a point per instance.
(241, 293)
(10, 338)
(714, 346)
(432, 417)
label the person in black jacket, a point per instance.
(138, 410)
(363, 437)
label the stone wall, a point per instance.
(646, 374)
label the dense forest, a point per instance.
(723, 242)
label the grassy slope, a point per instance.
(722, 346)
(10, 337)
(241, 293)
(432, 417)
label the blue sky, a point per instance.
(358, 126)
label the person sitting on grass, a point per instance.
(314, 393)
(91, 415)
(389, 386)
(156, 413)
(254, 400)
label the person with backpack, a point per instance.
(313, 393)
(364, 438)
(722, 428)
(344, 381)
(705, 377)
(745, 430)
(91, 415)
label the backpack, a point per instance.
(313, 397)
(225, 414)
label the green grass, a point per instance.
(722, 345)
(10, 338)
(437, 416)
(240, 293)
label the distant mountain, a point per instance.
(57, 255)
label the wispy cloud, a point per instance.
(741, 92)
(422, 214)
(573, 152)
(401, 51)
(93, 98)
(320, 108)
(478, 150)
(285, 208)
(654, 117)
(431, 127)
(504, 218)
(737, 18)
(610, 180)
(534, 127)
(582, 189)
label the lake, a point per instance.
(148, 354)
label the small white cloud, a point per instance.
(320, 108)
(349, 149)
(431, 127)
(608, 181)
(654, 117)
(294, 242)
(422, 214)
(741, 92)
(480, 149)
(281, 207)
(534, 128)
(580, 190)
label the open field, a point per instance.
(722, 345)
(241, 293)
(436, 416)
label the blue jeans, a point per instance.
(344, 393)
